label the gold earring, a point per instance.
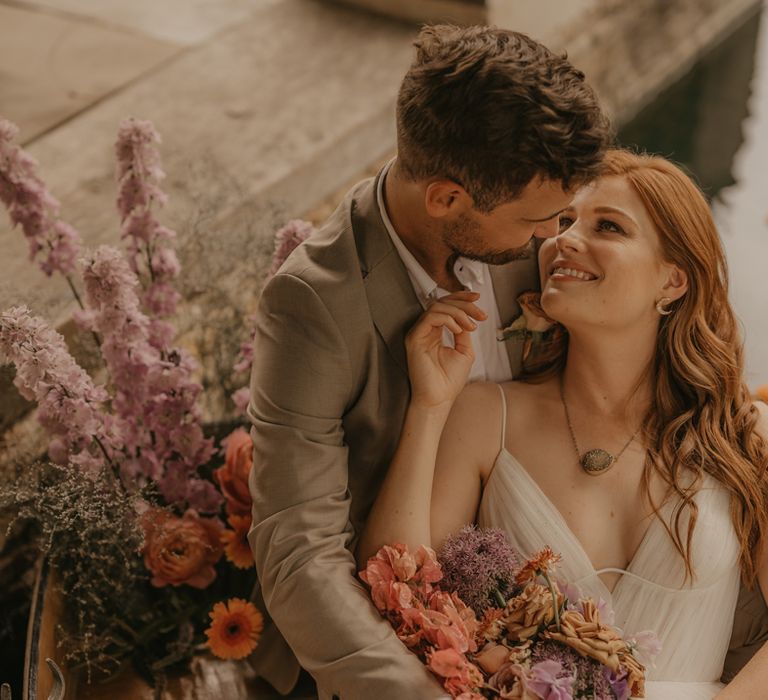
(660, 306)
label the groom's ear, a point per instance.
(446, 198)
(676, 284)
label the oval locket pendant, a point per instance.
(597, 461)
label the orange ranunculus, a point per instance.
(181, 550)
(233, 476)
(235, 541)
(762, 393)
(235, 629)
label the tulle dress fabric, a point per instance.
(693, 620)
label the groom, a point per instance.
(494, 133)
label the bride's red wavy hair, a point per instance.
(701, 418)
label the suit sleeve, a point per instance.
(300, 387)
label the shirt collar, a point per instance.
(469, 272)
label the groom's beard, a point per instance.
(464, 237)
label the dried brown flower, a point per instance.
(530, 611)
(586, 634)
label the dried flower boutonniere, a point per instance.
(532, 324)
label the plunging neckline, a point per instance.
(567, 529)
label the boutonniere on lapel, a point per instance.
(532, 324)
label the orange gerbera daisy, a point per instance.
(235, 629)
(538, 565)
(235, 541)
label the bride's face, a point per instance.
(605, 267)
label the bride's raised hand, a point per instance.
(437, 372)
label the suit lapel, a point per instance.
(391, 299)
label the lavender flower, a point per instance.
(588, 677)
(618, 683)
(549, 683)
(69, 404)
(480, 565)
(31, 206)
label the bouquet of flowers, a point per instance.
(143, 519)
(489, 624)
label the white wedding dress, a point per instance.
(692, 620)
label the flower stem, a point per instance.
(496, 595)
(555, 606)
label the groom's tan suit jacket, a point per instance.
(329, 392)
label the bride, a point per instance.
(634, 451)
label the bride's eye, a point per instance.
(608, 225)
(565, 222)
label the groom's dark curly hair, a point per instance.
(492, 109)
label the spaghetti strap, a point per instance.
(503, 417)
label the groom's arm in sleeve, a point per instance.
(301, 384)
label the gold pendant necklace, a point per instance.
(598, 460)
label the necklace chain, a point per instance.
(604, 459)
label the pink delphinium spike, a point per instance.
(293, 234)
(155, 395)
(31, 206)
(287, 239)
(151, 257)
(70, 406)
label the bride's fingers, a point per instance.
(461, 316)
(462, 342)
(434, 319)
(465, 302)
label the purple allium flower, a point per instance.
(549, 682)
(69, 404)
(31, 206)
(478, 563)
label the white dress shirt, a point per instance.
(491, 361)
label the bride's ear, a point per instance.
(676, 284)
(446, 198)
